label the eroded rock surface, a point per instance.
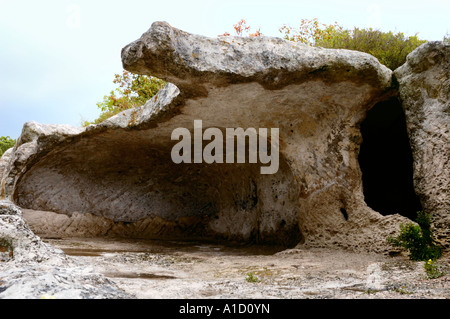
(32, 269)
(425, 90)
(119, 175)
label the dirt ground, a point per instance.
(180, 270)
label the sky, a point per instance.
(58, 58)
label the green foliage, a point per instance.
(133, 91)
(310, 31)
(417, 239)
(6, 143)
(389, 48)
(403, 291)
(433, 270)
(252, 278)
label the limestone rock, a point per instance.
(424, 85)
(119, 175)
(8, 208)
(4, 160)
(31, 269)
(195, 63)
(19, 242)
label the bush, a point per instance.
(251, 277)
(133, 91)
(310, 31)
(5, 144)
(433, 270)
(389, 48)
(417, 239)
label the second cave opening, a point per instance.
(386, 161)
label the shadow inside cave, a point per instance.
(386, 161)
(124, 184)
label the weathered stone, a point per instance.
(4, 160)
(424, 86)
(274, 63)
(30, 268)
(8, 208)
(21, 243)
(119, 175)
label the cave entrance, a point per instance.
(386, 161)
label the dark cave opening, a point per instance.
(386, 161)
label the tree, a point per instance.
(6, 143)
(133, 91)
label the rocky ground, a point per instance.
(149, 269)
(33, 267)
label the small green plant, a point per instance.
(417, 239)
(251, 277)
(433, 270)
(6, 143)
(403, 291)
(371, 291)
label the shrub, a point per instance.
(251, 277)
(433, 270)
(417, 239)
(5, 144)
(310, 31)
(389, 48)
(133, 91)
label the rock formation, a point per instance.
(32, 269)
(117, 178)
(424, 86)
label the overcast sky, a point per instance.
(58, 58)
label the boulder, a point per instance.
(118, 178)
(424, 87)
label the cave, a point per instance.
(117, 177)
(386, 161)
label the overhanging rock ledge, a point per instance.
(117, 178)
